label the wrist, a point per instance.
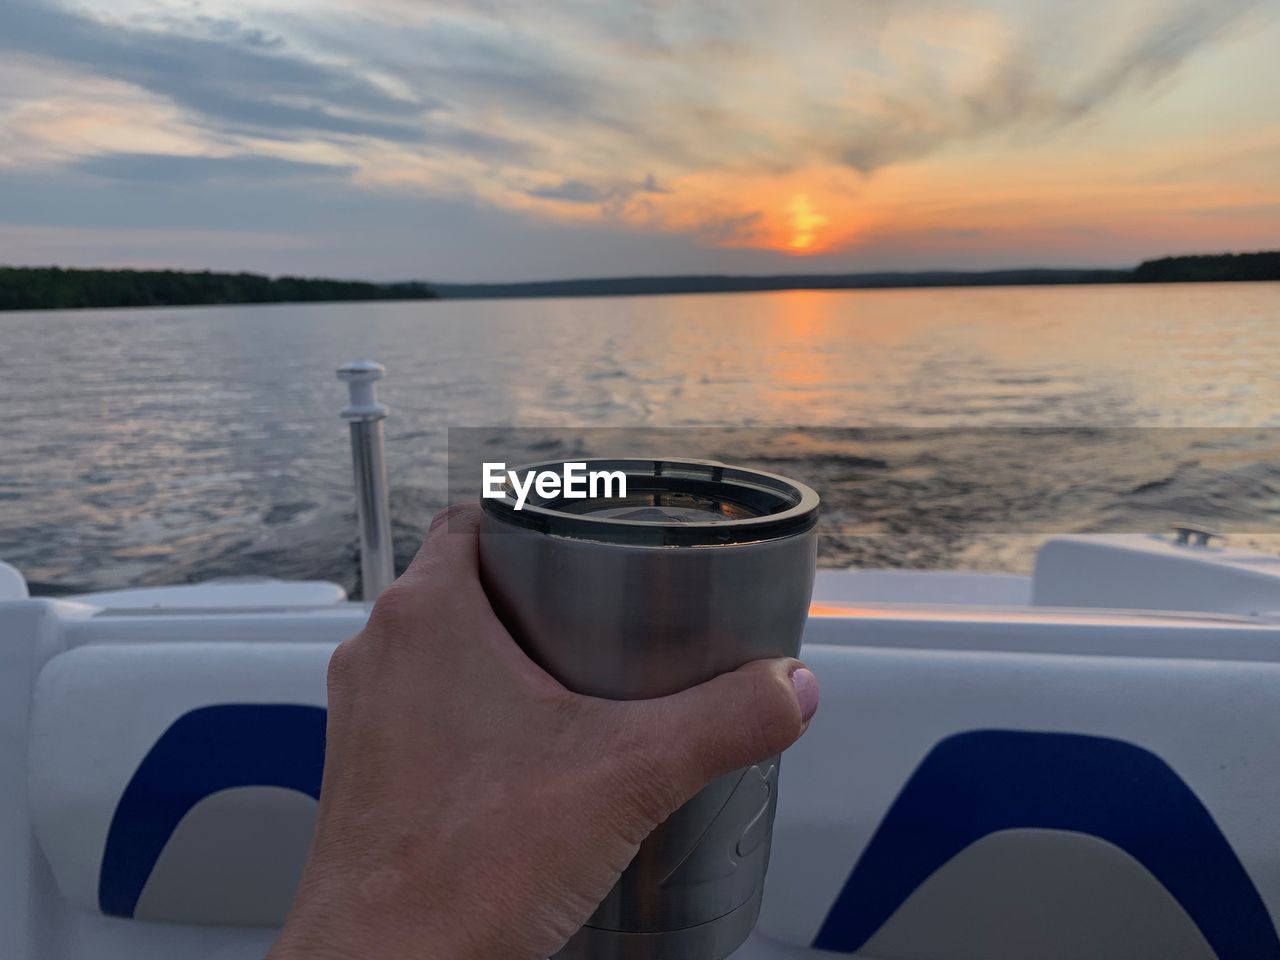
(340, 924)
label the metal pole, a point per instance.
(365, 414)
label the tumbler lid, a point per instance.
(670, 502)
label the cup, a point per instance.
(697, 570)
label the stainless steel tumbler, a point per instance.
(699, 569)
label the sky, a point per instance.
(533, 139)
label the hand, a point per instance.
(474, 808)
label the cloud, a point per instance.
(1026, 89)
(353, 233)
(572, 191)
(171, 168)
(583, 191)
(233, 75)
(1156, 52)
(477, 63)
(734, 230)
(561, 92)
(548, 112)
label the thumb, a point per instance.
(735, 720)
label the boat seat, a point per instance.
(177, 782)
(12, 584)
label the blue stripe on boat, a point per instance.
(976, 783)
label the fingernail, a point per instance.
(806, 685)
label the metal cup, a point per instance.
(701, 568)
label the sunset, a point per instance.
(805, 224)
(634, 138)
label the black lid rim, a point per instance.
(798, 516)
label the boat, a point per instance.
(1078, 763)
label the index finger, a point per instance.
(450, 548)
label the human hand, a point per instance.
(474, 808)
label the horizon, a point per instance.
(514, 143)
(434, 281)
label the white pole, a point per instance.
(365, 414)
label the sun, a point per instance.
(805, 222)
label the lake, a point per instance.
(944, 427)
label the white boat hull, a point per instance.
(990, 776)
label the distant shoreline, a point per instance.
(1202, 268)
(52, 288)
(55, 288)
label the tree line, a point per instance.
(36, 288)
(1211, 267)
(53, 288)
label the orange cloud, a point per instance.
(804, 212)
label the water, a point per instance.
(943, 427)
